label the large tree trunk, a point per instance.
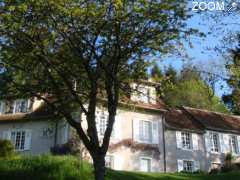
(99, 167)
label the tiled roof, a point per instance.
(215, 121)
(178, 119)
(199, 120)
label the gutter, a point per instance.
(164, 146)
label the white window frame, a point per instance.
(22, 146)
(111, 158)
(144, 140)
(148, 159)
(213, 146)
(14, 106)
(184, 140)
(192, 165)
(234, 150)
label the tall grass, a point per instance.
(44, 168)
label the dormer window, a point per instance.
(144, 94)
(14, 106)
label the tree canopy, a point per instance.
(79, 50)
(233, 66)
(188, 89)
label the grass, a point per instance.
(70, 168)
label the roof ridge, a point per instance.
(210, 111)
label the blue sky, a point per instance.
(203, 53)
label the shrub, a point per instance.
(69, 148)
(6, 149)
(214, 171)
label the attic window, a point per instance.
(15, 106)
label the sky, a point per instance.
(203, 51)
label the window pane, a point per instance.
(188, 166)
(145, 131)
(186, 140)
(214, 142)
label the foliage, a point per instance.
(80, 50)
(6, 149)
(233, 66)
(44, 168)
(189, 89)
(67, 168)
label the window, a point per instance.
(21, 106)
(145, 164)
(102, 122)
(186, 140)
(8, 107)
(214, 142)
(233, 144)
(145, 131)
(18, 139)
(17, 106)
(188, 166)
(109, 161)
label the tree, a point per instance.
(76, 51)
(233, 66)
(189, 89)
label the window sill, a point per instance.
(213, 152)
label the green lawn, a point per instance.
(69, 168)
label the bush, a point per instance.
(214, 171)
(69, 148)
(6, 149)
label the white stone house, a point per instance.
(147, 136)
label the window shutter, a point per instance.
(207, 142)
(178, 139)
(155, 132)
(136, 129)
(97, 120)
(152, 94)
(118, 162)
(15, 106)
(7, 135)
(1, 107)
(224, 143)
(117, 131)
(180, 165)
(28, 139)
(195, 141)
(238, 143)
(196, 165)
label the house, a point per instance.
(199, 139)
(147, 136)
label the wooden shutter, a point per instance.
(135, 129)
(1, 107)
(152, 94)
(207, 141)
(6, 135)
(28, 140)
(155, 132)
(117, 131)
(180, 165)
(224, 142)
(238, 143)
(195, 141)
(179, 139)
(196, 165)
